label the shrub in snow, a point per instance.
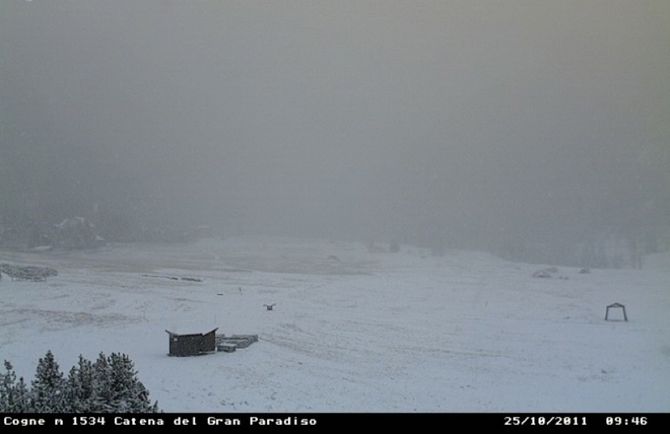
(31, 272)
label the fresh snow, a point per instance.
(351, 330)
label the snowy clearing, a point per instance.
(351, 330)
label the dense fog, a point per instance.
(532, 129)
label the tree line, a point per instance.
(108, 385)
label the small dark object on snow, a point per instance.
(36, 274)
(187, 279)
(334, 258)
(192, 344)
(616, 305)
(191, 279)
(160, 277)
(585, 271)
(269, 306)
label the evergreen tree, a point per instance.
(108, 385)
(80, 394)
(22, 399)
(7, 384)
(129, 394)
(48, 387)
(14, 396)
(101, 398)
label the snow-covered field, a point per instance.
(351, 330)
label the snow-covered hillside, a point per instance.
(351, 330)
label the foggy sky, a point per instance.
(370, 119)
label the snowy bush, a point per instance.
(110, 385)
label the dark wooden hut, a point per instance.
(192, 344)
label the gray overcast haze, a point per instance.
(469, 122)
